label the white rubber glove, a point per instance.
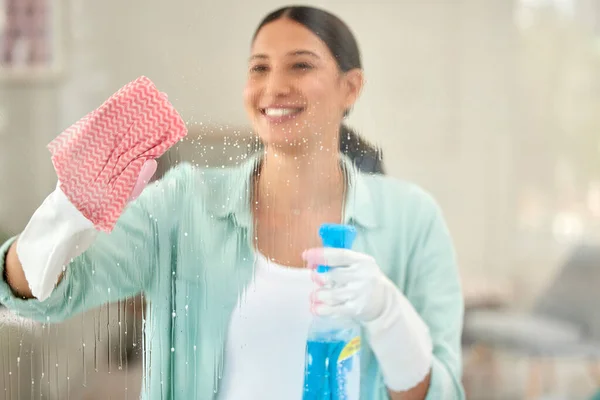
(355, 287)
(56, 233)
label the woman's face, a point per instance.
(295, 93)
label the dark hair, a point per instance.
(329, 28)
(364, 155)
(343, 46)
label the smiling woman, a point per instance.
(331, 49)
(301, 70)
(226, 256)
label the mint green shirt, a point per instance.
(186, 243)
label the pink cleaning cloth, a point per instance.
(99, 158)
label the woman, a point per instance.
(221, 254)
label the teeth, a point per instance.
(280, 112)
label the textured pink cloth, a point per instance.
(99, 158)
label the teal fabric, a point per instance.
(186, 243)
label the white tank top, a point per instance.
(265, 346)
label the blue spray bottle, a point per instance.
(332, 364)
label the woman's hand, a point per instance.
(355, 287)
(56, 233)
(354, 291)
(147, 172)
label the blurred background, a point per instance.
(491, 105)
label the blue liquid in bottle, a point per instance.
(332, 365)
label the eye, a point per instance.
(302, 66)
(259, 68)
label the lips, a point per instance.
(281, 114)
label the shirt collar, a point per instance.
(358, 209)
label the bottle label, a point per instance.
(332, 370)
(351, 349)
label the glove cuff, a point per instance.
(56, 233)
(401, 342)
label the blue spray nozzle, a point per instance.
(338, 236)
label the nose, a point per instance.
(278, 84)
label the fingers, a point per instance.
(335, 257)
(342, 300)
(146, 173)
(344, 310)
(334, 297)
(148, 170)
(344, 290)
(341, 276)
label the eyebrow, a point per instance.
(291, 53)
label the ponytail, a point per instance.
(365, 156)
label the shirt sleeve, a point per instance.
(436, 294)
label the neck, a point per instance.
(300, 182)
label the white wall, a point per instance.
(441, 95)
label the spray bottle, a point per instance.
(332, 363)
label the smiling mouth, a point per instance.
(280, 114)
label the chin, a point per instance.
(283, 143)
(283, 136)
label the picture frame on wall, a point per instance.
(31, 40)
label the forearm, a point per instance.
(14, 274)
